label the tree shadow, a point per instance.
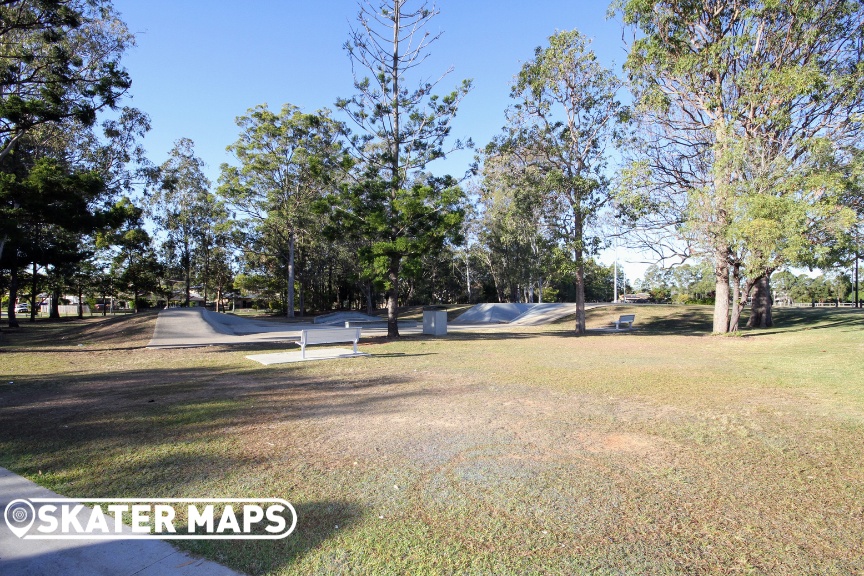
(170, 432)
(317, 521)
(91, 331)
(803, 319)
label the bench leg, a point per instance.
(303, 351)
(355, 346)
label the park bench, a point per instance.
(625, 319)
(328, 336)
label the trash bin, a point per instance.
(435, 320)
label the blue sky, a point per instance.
(198, 65)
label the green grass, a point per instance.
(656, 451)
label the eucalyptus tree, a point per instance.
(182, 206)
(512, 228)
(403, 126)
(745, 109)
(287, 161)
(565, 118)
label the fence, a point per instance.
(63, 309)
(818, 305)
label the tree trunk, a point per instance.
(857, 301)
(580, 299)
(13, 296)
(219, 298)
(468, 278)
(740, 303)
(80, 302)
(290, 312)
(722, 178)
(578, 253)
(330, 285)
(187, 261)
(33, 290)
(135, 300)
(302, 299)
(54, 314)
(721, 293)
(369, 307)
(760, 312)
(392, 297)
(737, 306)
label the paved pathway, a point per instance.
(88, 557)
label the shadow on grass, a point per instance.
(801, 319)
(170, 432)
(90, 331)
(679, 323)
(160, 429)
(686, 322)
(316, 522)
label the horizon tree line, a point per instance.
(739, 150)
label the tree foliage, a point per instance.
(401, 130)
(59, 59)
(746, 108)
(288, 161)
(183, 207)
(566, 115)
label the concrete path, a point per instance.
(312, 355)
(88, 557)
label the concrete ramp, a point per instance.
(230, 324)
(339, 318)
(492, 313)
(517, 314)
(544, 314)
(187, 327)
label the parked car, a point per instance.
(22, 309)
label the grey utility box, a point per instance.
(435, 321)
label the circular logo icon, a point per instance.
(19, 517)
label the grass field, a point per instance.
(658, 451)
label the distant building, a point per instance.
(638, 298)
